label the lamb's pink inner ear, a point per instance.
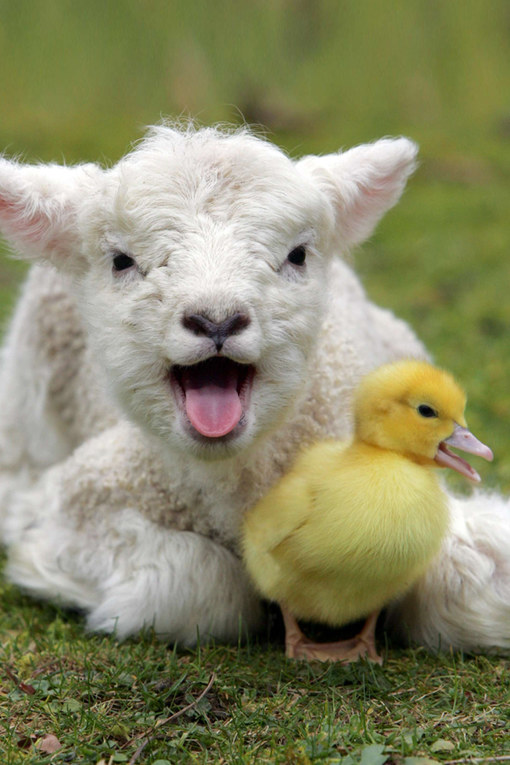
(6, 206)
(363, 183)
(10, 212)
(39, 207)
(25, 226)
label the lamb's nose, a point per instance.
(217, 331)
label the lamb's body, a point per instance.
(134, 518)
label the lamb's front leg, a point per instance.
(93, 533)
(180, 583)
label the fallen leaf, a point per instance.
(118, 730)
(48, 744)
(72, 705)
(22, 686)
(411, 737)
(373, 755)
(26, 688)
(441, 745)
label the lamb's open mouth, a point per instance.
(214, 394)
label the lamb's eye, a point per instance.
(121, 261)
(426, 411)
(297, 256)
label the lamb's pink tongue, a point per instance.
(212, 401)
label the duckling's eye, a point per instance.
(426, 411)
(297, 256)
(121, 262)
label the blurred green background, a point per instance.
(80, 80)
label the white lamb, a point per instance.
(188, 329)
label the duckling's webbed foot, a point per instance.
(298, 646)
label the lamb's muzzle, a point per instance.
(218, 332)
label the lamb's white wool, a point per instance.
(187, 328)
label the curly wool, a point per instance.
(108, 499)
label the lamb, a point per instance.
(186, 328)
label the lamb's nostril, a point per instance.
(235, 323)
(217, 331)
(198, 324)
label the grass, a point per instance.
(78, 80)
(143, 702)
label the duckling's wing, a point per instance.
(279, 514)
(290, 504)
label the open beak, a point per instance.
(464, 440)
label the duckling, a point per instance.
(353, 525)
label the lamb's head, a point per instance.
(200, 263)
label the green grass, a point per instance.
(78, 81)
(104, 701)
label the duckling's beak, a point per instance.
(463, 439)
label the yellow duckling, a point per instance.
(352, 526)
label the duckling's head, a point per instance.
(417, 410)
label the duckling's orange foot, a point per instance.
(344, 651)
(297, 645)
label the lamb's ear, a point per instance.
(363, 183)
(39, 207)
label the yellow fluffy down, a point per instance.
(353, 525)
(346, 531)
